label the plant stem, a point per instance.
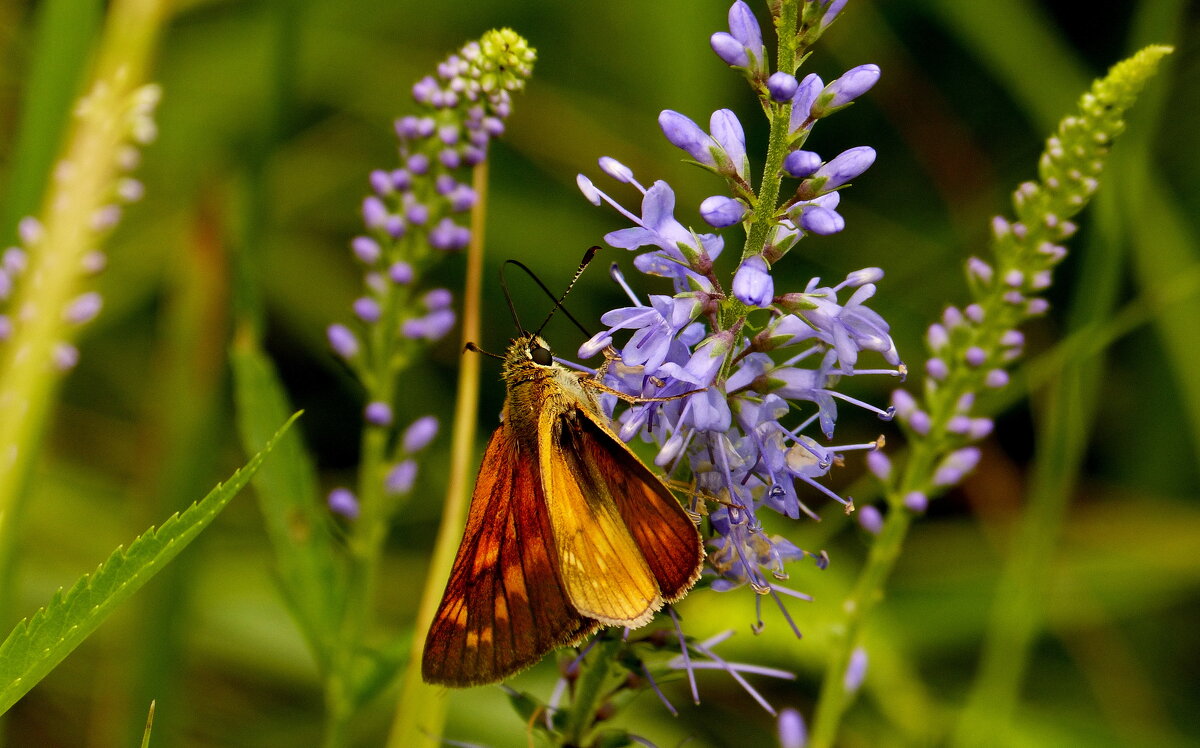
(763, 217)
(588, 692)
(421, 711)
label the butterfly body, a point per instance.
(568, 531)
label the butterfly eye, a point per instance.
(540, 355)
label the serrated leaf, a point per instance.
(39, 643)
(287, 496)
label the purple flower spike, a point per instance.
(687, 136)
(720, 211)
(845, 166)
(792, 733)
(419, 434)
(342, 501)
(752, 284)
(782, 86)
(801, 164)
(853, 83)
(342, 341)
(378, 414)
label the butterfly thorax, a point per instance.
(537, 385)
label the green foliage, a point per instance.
(287, 495)
(39, 643)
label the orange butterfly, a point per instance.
(568, 531)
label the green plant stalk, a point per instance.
(589, 691)
(763, 216)
(28, 379)
(868, 591)
(421, 711)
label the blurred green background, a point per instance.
(274, 113)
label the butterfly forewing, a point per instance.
(504, 605)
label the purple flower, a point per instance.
(743, 45)
(803, 100)
(752, 284)
(782, 86)
(419, 433)
(853, 83)
(343, 501)
(687, 136)
(378, 414)
(367, 309)
(856, 670)
(870, 519)
(343, 342)
(655, 327)
(658, 227)
(83, 309)
(720, 211)
(845, 166)
(801, 164)
(792, 733)
(366, 249)
(400, 479)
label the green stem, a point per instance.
(868, 591)
(763, 217)
(421, 711)
(589, 691)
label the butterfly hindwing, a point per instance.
(505, 605)
(602, 568)
(664, 533)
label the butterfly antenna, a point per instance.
(512, 309)
(588, 256)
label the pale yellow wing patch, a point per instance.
(603, 571)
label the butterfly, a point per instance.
(568, 531)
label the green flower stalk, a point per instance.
(971, 349)
(44, 295)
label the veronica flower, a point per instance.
(742, 400)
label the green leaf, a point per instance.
(149, 727)
(39, 643)
(286, 490)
